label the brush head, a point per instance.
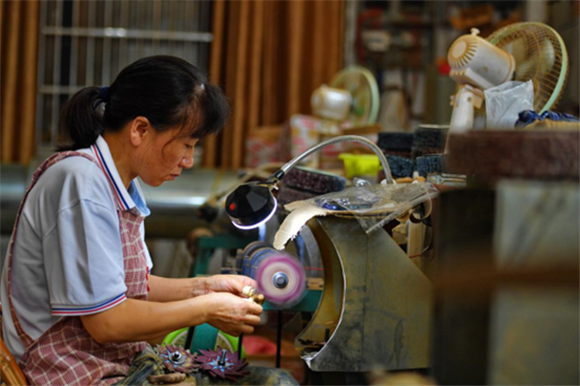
(400, 166)
(395, 141)
(315, 181)
(432, 163)
(286, 195)
(430, 137)
(177, 359)
(222, 364)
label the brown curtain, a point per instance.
(19, 39)
(269, 56)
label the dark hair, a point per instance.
(167, 90)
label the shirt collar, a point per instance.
(138, 197)
(100, 150)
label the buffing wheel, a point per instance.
(400, 166)
(430, 137)
(315, 181)
(281, 279)
(287, 194)
(395, 141)
(432, 163)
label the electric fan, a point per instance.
(521, 51)
(352, 96)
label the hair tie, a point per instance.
(104, 94)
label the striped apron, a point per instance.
(66, 354)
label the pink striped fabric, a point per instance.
(66, 354)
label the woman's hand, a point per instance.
(231, 314)
(233, 284)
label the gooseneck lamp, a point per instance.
(252, 204)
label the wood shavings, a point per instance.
(301, 213)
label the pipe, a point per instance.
(173, 205)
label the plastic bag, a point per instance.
(503, 103)
(374, 205)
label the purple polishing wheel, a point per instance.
(281, 279)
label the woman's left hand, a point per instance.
(229, 283)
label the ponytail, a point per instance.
(168, 91)
(80, 119)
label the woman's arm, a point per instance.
(167, 290)
(162, 289)
(138, 320)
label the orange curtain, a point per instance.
(269, 56)
(19, 50)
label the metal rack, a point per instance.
(86, 43)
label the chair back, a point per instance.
(9, 370)
(11, 373)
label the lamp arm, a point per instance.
(278, 175)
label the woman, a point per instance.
(78, 298)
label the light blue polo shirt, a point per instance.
(68, 257)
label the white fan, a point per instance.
(520, 51)
(353, 96)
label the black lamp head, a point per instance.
(251, 205)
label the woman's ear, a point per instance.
(139, 129)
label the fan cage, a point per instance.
(540, 56)
(364, 90)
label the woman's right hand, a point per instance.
(231, 314)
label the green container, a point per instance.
(204, 337)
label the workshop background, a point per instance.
(491, 262)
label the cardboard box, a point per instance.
(263, 146)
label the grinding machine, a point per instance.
(374, 312)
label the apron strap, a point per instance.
(24, 337)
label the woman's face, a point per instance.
(165, 155)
